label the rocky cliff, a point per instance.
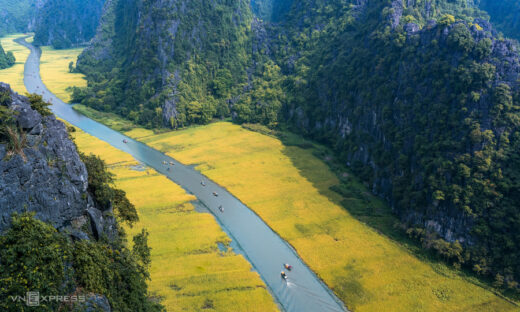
(169, 62)
(46, 176)
(58, 233)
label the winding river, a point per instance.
(267, 252)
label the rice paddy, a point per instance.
(188, 270)
(289, 187)
(55, 73)
(14, 74)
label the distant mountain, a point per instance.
(66, 23)
(420, 98)
(16, 15)
(59, 23)
(505, 15)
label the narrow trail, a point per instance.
(263, 248)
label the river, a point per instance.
(266, 251)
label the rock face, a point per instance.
(51, 181)
(163, 55)
(66, 23)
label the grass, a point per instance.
(14, 74)
(290, 188)
(54, 70)
(111, 120)
(188, 271)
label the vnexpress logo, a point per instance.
(32, 298)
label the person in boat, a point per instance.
(288, 266)
(221, 208)
(284, 276)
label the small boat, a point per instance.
(171, 163)
(284, 276)
(215, 194)
(125, 141)
(221, 208)
(202, 183)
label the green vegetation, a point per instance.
(427, 118)
(6, 59)
(39, 105)
(16, 15)
(271, 10)
(394, 107)
(202, 60)
(101, 185)
(505, 15)
(15, 137)
(63, 24)
(35, 257)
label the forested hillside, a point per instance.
(425, 111)
(6, 59)
(171, 63)
(16, 15)
(505, 15)
(66, 23)
(420, 99)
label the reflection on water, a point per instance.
(264, 249)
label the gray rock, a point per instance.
(411, 28)
(51, 181)
(96, 303)
(102, 223)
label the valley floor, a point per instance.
(188, 270)
(14, 74)
(288, 186)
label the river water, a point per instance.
(303, 291)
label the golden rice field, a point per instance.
(188, 271)
(14, 74)
(289, 188)
(54, 71)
